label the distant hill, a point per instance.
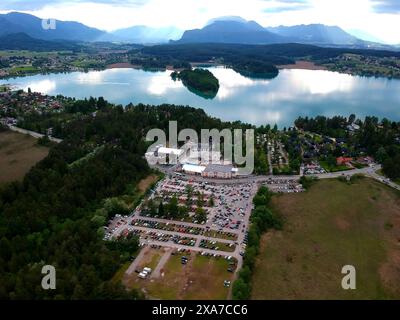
(143, 34)
(21, 41)
(249, 32)
(16, 22)
(363, 35)
(225, 30)
(239, 31)
(317, 34)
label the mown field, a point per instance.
(18, 153)
(201, 279)
(332, 225)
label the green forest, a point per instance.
(198, 80)
(55, 217)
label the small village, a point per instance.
(16, 104)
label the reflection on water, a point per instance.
(230, 81)
(43, 86)
(320, 82)
(279, 100)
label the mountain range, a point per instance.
(237, 30)
(229, 31)
(16, 22)
(317, 34)
(143, 34)
(218, 30)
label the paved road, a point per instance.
(180, 234)
(178, 222)
(179, 246)
(33, 134)
(135, 263)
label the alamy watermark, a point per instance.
(49, 280)
(238, 147)
(49, 24)
(349, 280)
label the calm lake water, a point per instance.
(281, 100)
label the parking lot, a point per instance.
(283, 185)
(223, 234)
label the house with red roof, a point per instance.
(343, 161)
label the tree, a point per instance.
(381, 155)
(200, 199)
(240, 290)
(189, 194)
(211, 201)
(152, 207)
(200, 215)
(161, 211)
(114, 206)
(5, 249)
(173, 209)
(391, 167)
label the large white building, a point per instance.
(220, 171)
(163, 155)
(196, 159)
(195, 169)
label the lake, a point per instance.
(280, 100)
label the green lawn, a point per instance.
(23, 69)
(332, 225)
(202, 278)
(117, 278)
(330, 168)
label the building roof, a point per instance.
(187, 167)
(219, 168)
(176, 152)
(343, 159)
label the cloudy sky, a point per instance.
(376, 19)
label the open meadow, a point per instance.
(18, 153)
(332, 225)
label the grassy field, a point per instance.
(18, 153)
(332, 225)
(30, 54)
(202, 278)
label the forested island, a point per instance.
(199, 81)
(256, 69)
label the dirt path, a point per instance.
(157, 271)
(138, 259)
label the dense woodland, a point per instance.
(258, 60)
(200, 80)
(52, 216)
(262, 219)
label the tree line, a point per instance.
(262, 219)
(52, 216)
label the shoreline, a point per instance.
(302, 65)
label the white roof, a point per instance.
(193, 168)
(164, 150)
